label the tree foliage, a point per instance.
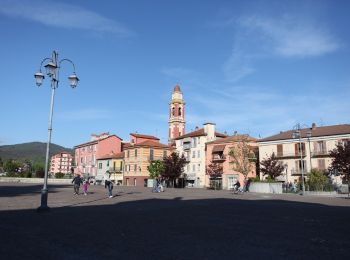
(341, 161)
(156, 168)
(214, 170)
(317, 180)
(173, 166)
(271, 167)
(242, 155)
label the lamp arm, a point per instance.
(71, 62)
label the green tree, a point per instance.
(11, 166)
(173, 167)
(156, 168)
(271, 167)
(317, 180)
(341, 161)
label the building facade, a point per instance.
(86, 154)
(61, 162)
(176, 115)
(138, 154)
(192, 146)
(218, 152)
(311, 151)
(113, 164)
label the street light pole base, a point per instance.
(43, 207)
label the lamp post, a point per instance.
(308, 135)
(297, 134)
(52, 66)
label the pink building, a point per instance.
(218, 152)
(61, 162)
(86, 154)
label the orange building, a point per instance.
(138, 154)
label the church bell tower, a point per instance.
(176, 115)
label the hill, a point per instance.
(35, 151)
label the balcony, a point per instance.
(155, 158)
(297, 172)
(295, 154)
(322, 153)
(115, 170)
(218, 158)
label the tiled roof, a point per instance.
(315, 132)
(145, 136)
(112, 156)
(233, 138)
(95, 141)
(199, 132)
(149, 143)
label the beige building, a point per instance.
(61, 162)
(192, 146)
(138, 154)
(313, 152)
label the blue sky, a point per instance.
(255, 67)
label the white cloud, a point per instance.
(292, 36)
(62, 15)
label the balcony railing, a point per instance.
(115, 170)
(217, 158)
(290, 154)
(297, 171)
(319, 153)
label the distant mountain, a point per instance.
(35, 151)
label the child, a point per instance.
(85, 186)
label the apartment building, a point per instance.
(61, 162)
(138, 154)
(192, 146)
(86, 154)
(218, 152)
(113, 164)
(309, 151)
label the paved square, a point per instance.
(176, 224)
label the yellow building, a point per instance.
(138, 154)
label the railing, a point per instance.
(217, 157)
(298, 171)
(290, 154)
(116, 170)
(155, 158)
(319, 153)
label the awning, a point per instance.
(218, 148)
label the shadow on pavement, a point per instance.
(179, 229)
(12, 190)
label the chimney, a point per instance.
(196, 128)
(313, 126)
(235, 133)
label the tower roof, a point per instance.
(177, 88)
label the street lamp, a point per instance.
(297, 134)
(52, 67)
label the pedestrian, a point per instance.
(77, 181)
(109, 185)
(245, 182)
(86, 186)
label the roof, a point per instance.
(144, 136)
(149, 143)
(95, 141)
(233, 138)
(219, 148)
(199, 132)
(315, 132)
(177, 88)
(112, 155)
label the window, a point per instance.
(173, 111)
(298, 151)
(135, 152)
(100, 165)
(199, 140)
(135, 167)
(121, 166)
(81, 159)
(107, 163)
(114, 164)
(298, 164)
(193, 167)
(151, 154)
(194, 142)
(198, 154)
(279, 150)
(179, 111)
(193, 154)
(128, 154)
(199, 166)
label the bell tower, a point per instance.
(176, 115)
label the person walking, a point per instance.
(109, 185)
(77, 181)
(86, 186)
